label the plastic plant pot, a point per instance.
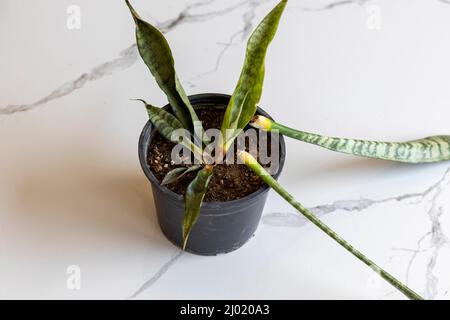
(222, 226)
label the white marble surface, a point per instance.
(72, 191)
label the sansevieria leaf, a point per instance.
(430, 149)
(247, 93)
(166, 124)
(178, 173)
(163, 121)
(193, 200)
(251, 162)
(156, 53)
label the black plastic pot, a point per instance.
(222, 226)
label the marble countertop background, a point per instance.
(76, 213)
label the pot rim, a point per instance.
(148, 132)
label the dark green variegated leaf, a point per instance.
(178, 173)
(426, 150)
(247, 93)
(156, 53)
(193, 200)
(171, 128)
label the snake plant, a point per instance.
(240, 112)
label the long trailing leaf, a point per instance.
(178, 173)
(242, 105)
(193, 200)
(426, 150)
(167, 124)
(269, 180)
(155, 51)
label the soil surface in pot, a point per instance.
(229, 181)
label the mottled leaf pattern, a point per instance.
(269, 180)
(193, 200)
(178, 173)
(156, 53)
(166, 124)
(247, 93)
(250, 103)
(430, 149)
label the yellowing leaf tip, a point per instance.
(261, 122)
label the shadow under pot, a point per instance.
(222, 226)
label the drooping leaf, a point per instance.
(193, 200)
(247, 93)
(178, 173)
(156, 53)
(251, 162)
(426, 150)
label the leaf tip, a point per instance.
(133, 12)
(141, 100)
(283, 3)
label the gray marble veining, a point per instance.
(434, 239)
(236, 38)
(129, 56)
(436, 235)
(294, 220)
(336, 4)
(163, 270)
